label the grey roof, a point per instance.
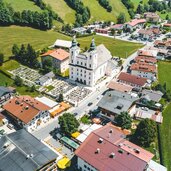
(152, 95)
(4, 90)
(103, 54)
(63, 43)
(46, 77)
(116, 102)
(21, 144)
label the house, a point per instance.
(90, 66)
(148, 34)
(22, 151)
(27, 112)
(117, 27)
(147, 53)
(167, 25)
(102, 30)
(152, 95)
(64, 44)
(142, 59)
(1, 119)
(144, 70)
(135, 23)
(59, 59)
(143, 112)
(132, 80)
(114, 85)
(79, 30)
(5, 94)
(114, 102)
(151, 17)
(106, 149)
(45, 79)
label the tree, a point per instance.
(145, 133)
(18, 81)
(124, 120)
(68, 123)
(32, 88)
(121, 18)
(60, 98)
(140, 9)
(1, 58)
(15, 50)
(46, 65)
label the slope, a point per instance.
(20, 5)
(63, 10)
(98, 13)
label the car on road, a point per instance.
(2, 132)
(10, 126)
(75, 114)
(89, 104)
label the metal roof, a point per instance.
(21, 151)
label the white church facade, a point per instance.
(88, 67)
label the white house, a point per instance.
(144, 70)
(27, 112)
(90, 66)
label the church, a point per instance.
(88, 67)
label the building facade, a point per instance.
(88, 67)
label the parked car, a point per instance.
(75, 114)
(10, 126)
(89, 104)
(2, 132)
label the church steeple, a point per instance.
(93, 45)
(74, 42)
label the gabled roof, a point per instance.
(144, 67)
(132, 79)
(24, 108)
(59, 54)
(140, 59)
(134, 22)
(107, 150)
(116, 102)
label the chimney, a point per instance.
(100, 140)
(112, 155)
(111, 130)
(97, 151)
(137, 150)
(26, 108)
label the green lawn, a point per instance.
(163, 16)
(136, 2)
(165, 134)
(40, 39)
(164, 71)
(4, 80)
(98, 13)
(63, 10)
(20, 5)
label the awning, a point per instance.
(70, 142)
(64, 163)
(75, 134)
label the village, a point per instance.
(93, 89)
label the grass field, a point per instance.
(40, 39)
(20, 5)
(63, 10)
(98, 13)
(136, 2)
(163, 16)
(164, 71)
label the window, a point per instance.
(85, 71)
(77, 69)
(90, 65)
(85, 64)
(81, 63)
(81, 70)
(90, 56)
(77, 62)
(90, 73)
(71, 76)
(85, 166)
(89, 78)
(71, 72)
(72, 61)
(81, 75)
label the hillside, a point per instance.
(20, 5)
(99, 13)
(63, 10)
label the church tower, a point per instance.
(74, 51)
(92, 55)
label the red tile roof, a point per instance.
(145, 53)
(132, 79)
(151, 15)
(136, 21)
(24, 108)
(127, 156)
(140, 59)
(59, 54)
(119, 87)
(144, 67)
(167, 25)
